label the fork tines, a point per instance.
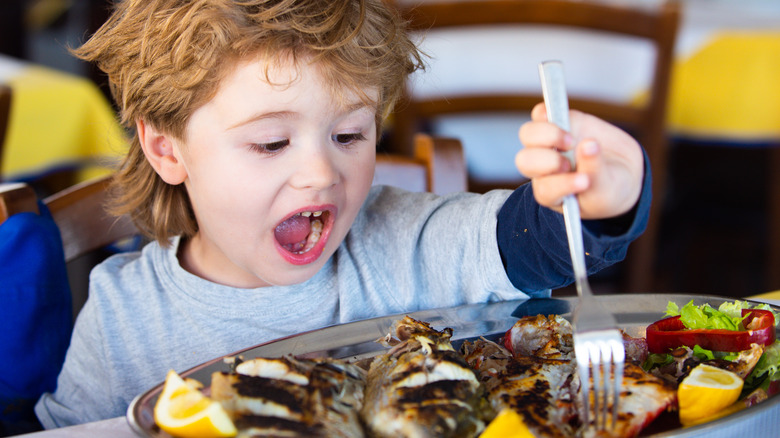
(600, 356)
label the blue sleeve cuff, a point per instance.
(534, 248)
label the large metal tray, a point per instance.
(356, 341)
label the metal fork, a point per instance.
(598, 344)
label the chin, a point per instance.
(293, 275)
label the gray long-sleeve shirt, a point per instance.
(405, 252)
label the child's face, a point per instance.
(262, 161)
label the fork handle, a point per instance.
(556, 100)
(557, 104)
(573, 222)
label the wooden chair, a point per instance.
(51, 301)
(85, 226)
(656, 25)
(78, 211)
(438, 166)
(5, 114)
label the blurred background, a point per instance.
(720, 208)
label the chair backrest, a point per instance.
(658, 25)
(438, 166)
(655, 24)
(78, 212)
(5, 113)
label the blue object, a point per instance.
(35, 313)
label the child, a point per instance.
(256, 125)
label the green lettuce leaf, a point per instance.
(734, 309)
(705, 317)
(672, 309)
(654, 360)
(769, 362)
(704, 354)
(766, 370)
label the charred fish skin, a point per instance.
(422, 387)
(252, 426)
(538, 389)
(288, 397)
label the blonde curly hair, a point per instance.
(166, 58)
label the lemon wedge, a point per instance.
(706, 391)
(732, 409)
(182, 410)
(507, 424)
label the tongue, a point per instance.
(293, 230)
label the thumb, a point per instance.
(588, 156)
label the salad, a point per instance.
(737, 336)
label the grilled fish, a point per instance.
(539, 389)
(541, 336)
(422, 387)
(535, 374)
(643, 399)
(288, 397)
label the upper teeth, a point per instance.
(311, 213)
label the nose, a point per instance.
(316, 168)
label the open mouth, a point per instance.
(301, 232)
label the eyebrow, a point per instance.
(348, 109)
(263, 116)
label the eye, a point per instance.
(348, 139)
(269, 148)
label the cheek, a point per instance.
(362, 173)
(361, 178)
(367, 171)
(228, 193)
(366, 162)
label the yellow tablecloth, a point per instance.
(774, 296)
(729, 89)
(58, 120)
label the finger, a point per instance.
(545, 135)
(577, 119)
(549, 191)
(539, 112)
(536, 162)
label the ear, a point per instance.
(161, 151)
